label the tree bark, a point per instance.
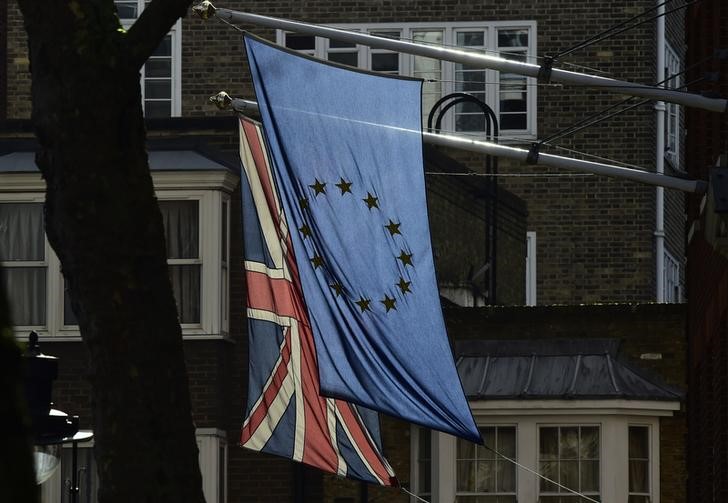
(103, 221)
(17, 475)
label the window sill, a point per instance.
(76, 337)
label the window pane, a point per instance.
(638, 442)
(507, 441)
(345, 58)
(506, 475)
(488, 435)
(569, 474)
(181, 226)
(157, 89)
(512, 38)
(466, 450)
(424, 440)
(300, 42)
(26, 290)
(385, 62)
(474, 122)
(21, 232)
(157, 109)
(126, 10)
(385, 34)
(338, 44)
(69, 318)
(589, 443)
(549, 443)
(158, 67)
(590, 476)
(569, 443)
(549, 469)
(164, 48)
(186, 287)
(470, 39)
(638, 476)
(513, 121)
(466, 476)
(485, 476)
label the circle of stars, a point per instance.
(401, 288)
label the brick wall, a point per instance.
(594, 235)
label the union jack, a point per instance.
(286, 414)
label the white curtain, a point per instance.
(182, 229)
(22, 240)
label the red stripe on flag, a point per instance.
(269, 394)
(271, 294)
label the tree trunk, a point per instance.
(103, 221)
(17, 476)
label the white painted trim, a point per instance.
(573, 407)
(531, 272)
(227, 181)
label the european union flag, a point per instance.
(347, 153)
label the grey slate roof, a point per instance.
(553, 369)
(159, 160)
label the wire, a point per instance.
(543, 477)
(506, 175)
(413, 495)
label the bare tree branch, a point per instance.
(153, 24)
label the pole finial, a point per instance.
(204, 9)
(221, 100)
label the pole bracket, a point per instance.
(533, 153)
(204, 10)
(544, 71)
(221, 100)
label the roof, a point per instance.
(159, 160)
(553, 369)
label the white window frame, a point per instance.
(176, 52)
(213, 458)
(614, 417)
(406, 62)
(210, 188)
(673, 66)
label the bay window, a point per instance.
(512, 97)
(197, 233)
(568, 455)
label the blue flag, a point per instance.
(346, 147)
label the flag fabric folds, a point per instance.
(286, 414)
(346, 147)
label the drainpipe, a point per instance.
(660, 160)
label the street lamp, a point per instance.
(51, 428)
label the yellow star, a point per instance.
(404, 285)
(338, 288)
(305, 231)
(406, 258)
(393, 228)
(318, 187)
(389, 303)
(372, 202)
(344, 186)
(363, 304)
(317, 261)
(303, 202)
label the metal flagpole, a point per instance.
(519, 154)
(544, 73)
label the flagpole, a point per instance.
(519, 154)
(544, 72)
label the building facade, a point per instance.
(561, 237)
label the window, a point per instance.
(23, 257)
(593, 447)
(161, 75)
(482, 475)
(639, 464)
(197, 232)
(568, 455)
(672, 111)
(672, 283)
(212, 445)
(512, 97)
